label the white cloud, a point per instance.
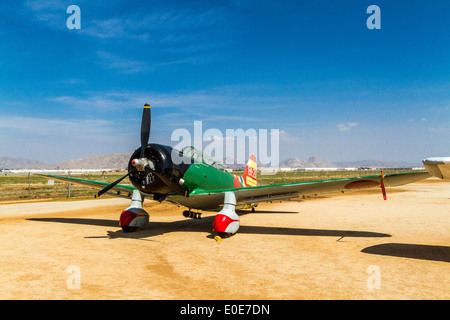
(49, 12)
(54, 127)
(54, 140)
(347, 126)
(421, 119)
(287, 137)
(163, 24)
(123, 65)
(199, 103)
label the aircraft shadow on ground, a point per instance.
(242, 212)
(414, 251)
(155, 228)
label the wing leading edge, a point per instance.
(93, 184)
(312, 188)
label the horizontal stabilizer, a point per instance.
(438, 167)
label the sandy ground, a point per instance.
(354, 246)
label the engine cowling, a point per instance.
(158, 158)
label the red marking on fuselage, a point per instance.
(237, 183)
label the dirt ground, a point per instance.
(352, 246)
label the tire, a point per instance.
(129, 229)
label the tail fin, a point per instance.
(250, 178)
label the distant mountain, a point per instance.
(312, 162)
(108, 161)
(377, 164)
(20, 163)
(120, 161)
(315, 162)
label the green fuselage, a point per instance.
(198, 180)
(203, 177)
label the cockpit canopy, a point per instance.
(200, 157)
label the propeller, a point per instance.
(145, 128)
(110, 186)
(383, 189)
(142, 163)
(170, 183)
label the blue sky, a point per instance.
(311, 69)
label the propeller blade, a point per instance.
(170, 183)
(176, 187)
(110, 186)
(145, 128)
(383, 189)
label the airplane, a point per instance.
(198, 182)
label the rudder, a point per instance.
(250, 176)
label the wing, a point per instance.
(121, 190)
(311, 188)
(438, 167)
